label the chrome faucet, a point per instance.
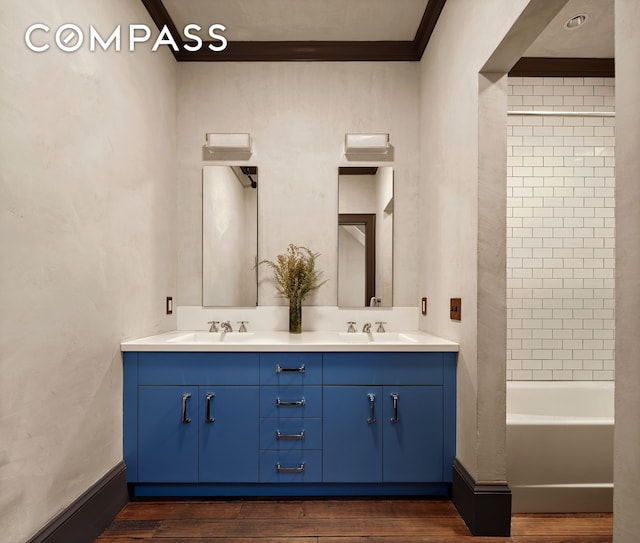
(226, 327)
(352, 327)
(242, 324)
(367, 328)
(380, 326)
(214, 326)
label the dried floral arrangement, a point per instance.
(294, 272)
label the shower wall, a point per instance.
(560, 230)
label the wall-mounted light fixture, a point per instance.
(228, 143)
(367, 144)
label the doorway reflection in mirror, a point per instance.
(365, 236)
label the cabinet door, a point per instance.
(229, 434)
(352, 434)
(167, 434)
(413, 434)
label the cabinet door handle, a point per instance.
(280, 369)
(372, 408)
(280, 469)
(185, 419)
(208, 418)
(299, 436)
(299, 403)
(394, 397)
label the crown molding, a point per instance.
(286, 51)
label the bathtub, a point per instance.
(560, 446)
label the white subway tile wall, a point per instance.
(560, 230)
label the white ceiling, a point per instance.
(594, 39)
(380, 20)
(304, 20)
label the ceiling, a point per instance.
(593, 39)
(304, 20)
(281, 30)
(285, 30)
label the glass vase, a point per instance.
(295, 315)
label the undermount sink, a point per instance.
(354, 337)
(375, 337)
(222, 337)
(212, 338)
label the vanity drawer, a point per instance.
(383, 368)
(198, 368)
(290, 434)
(290, 467)
(290, 368)
(290, 401)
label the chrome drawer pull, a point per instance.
(185, 419)
(395, 419)
(280, 469)
(299, 436)
(372, 408)
(280, 369)
(299, 403)
(207, 417)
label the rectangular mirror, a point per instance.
(229, 236)
(365, 236)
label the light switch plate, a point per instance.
(455, 311)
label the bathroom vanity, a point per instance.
(269, 414)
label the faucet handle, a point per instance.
(242, 328)
(380, 326)
(352, 327)
(214, 326)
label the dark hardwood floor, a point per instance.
(334, 521)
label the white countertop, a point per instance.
(201, 341)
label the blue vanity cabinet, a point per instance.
(191, 417)
(291, 417)
(384, 418)
(289, 423)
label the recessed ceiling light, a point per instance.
(575, 21)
